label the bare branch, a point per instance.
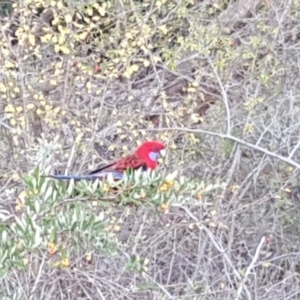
(235, 139)
(250, 267)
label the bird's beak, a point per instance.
(163, 152)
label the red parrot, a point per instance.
(144, 157)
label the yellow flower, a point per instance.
(52, 248)
(25, 261)
(166, 185)
(106, 188)
(163, 187)
(35, 192)
(19, 206)
(170, 183)
(65, 262)
(89, 257)
(143, 195)
(165, 207)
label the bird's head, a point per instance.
(150, 152)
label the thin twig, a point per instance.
(70, 160)
(224, 95)
(6, 126)
(294, 150)
(218, 247)
(250, 267)
(232, 138)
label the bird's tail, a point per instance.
(75, 177)
(92, 177)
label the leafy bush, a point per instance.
(67, 222)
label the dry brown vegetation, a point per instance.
(84, 82)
